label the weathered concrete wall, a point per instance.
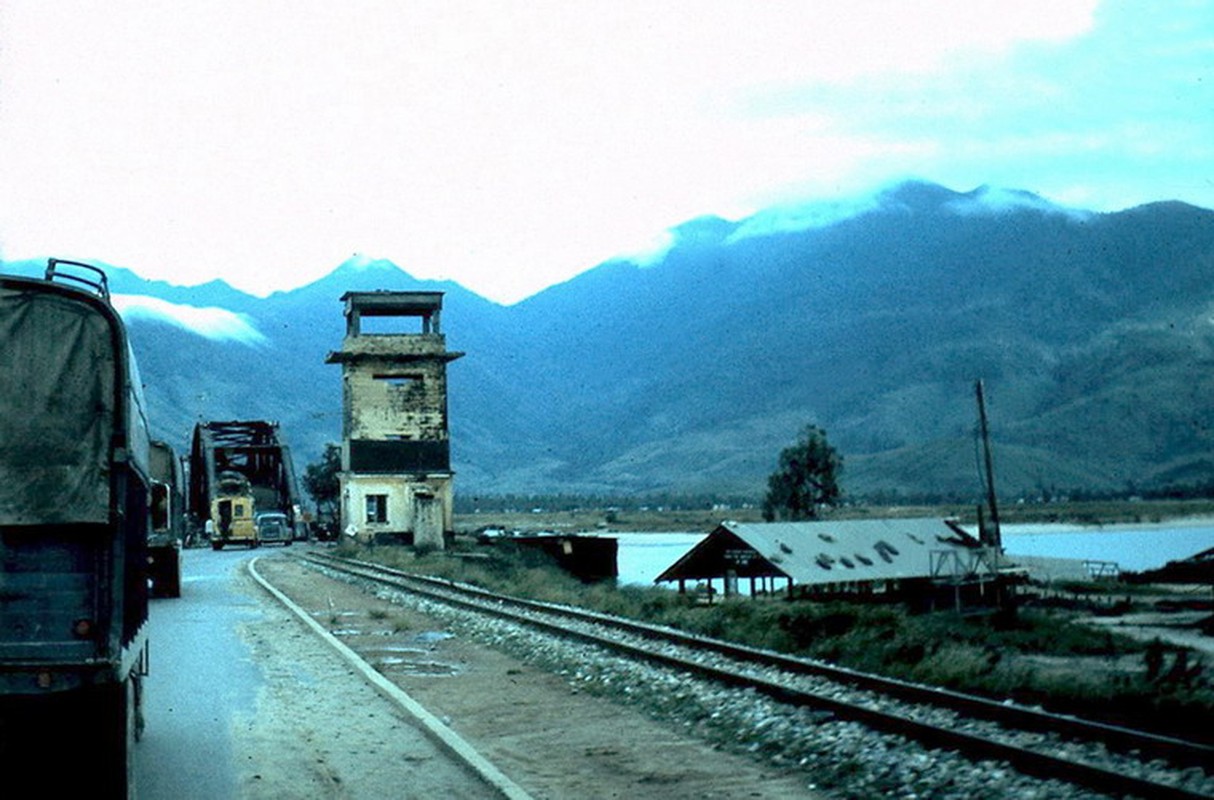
(396, 345)
(406, 495)
(384, 399)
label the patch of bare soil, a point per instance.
(318, 730)
(540, 731)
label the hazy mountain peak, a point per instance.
(357, 273)
(361, 263)
(910, 196)
(916, 195)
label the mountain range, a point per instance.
(1093, 334)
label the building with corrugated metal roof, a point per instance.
(892, 557)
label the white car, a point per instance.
(272, 527)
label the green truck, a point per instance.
(75, 489)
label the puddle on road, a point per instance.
(430, 637)
(416, 655)
(411, 660)
(385, 632)
(401, 648)
(413, 656)
(411, 667)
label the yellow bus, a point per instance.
(232, 512)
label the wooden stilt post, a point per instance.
(996, 536)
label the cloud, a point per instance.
(804, 216)
(651, 251)
(508, 146)
(996, 200)
(216, 324)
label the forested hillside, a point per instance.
(1094, 334)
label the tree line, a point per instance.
(806, 481)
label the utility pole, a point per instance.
(995, 537)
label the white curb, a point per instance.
(440, 733)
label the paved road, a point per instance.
(243, 702)
(202, 677)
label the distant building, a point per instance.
(926, 560)
(396, 478)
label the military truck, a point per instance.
(167, 521)
(74, 510)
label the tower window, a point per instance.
(400, 381)
(377, 508)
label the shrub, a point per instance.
(984, 654)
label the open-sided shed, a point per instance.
(835, 557)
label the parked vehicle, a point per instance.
(167, 523)
(232, 511)
(74, 511)
(273, 527)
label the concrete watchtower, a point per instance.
(396, 473)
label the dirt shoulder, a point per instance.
(546, 735)
(318, 730)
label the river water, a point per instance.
(1132, 547)
(643, 556)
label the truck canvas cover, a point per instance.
(57, 367)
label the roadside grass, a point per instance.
(1036, 656)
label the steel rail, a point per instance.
(1043, 765)
(1177, 751)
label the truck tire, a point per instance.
(166, 573)
(118, 721)
(172, 579)
(140, 722)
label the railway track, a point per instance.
(1104, 758)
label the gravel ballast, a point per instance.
(830, 756)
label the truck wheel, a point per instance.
(216, 545)
(140, 722)
(118, 720)
(172, 581)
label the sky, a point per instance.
(509, 146)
